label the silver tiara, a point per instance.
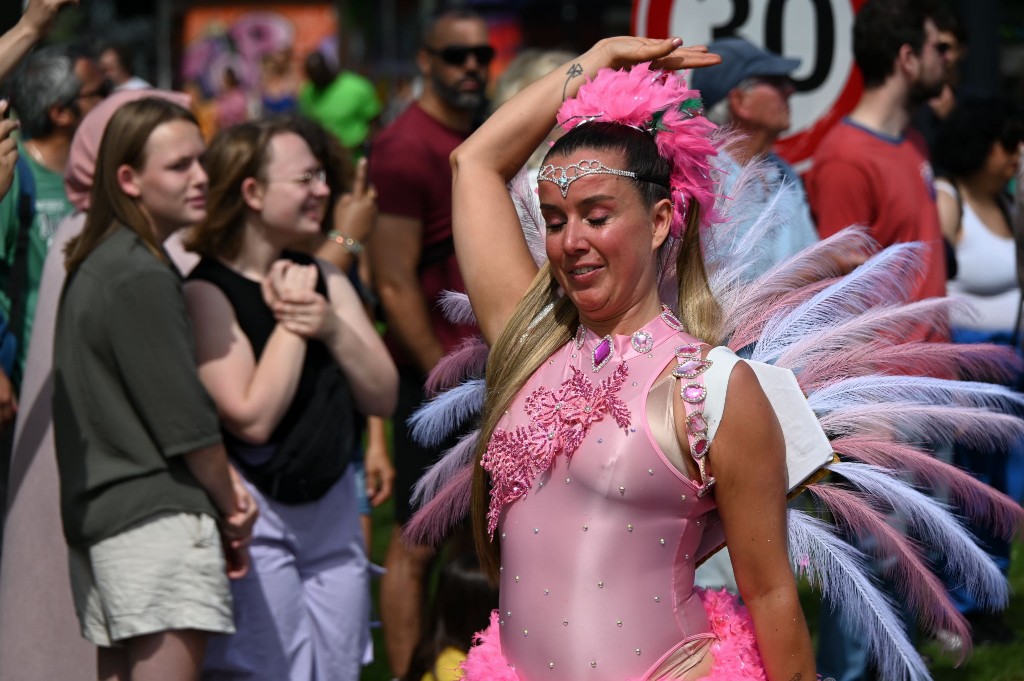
(563, 176)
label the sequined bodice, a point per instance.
(597, 547)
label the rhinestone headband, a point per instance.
(563, 176)
(661, 104)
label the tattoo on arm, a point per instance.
(574, 71)
(797, 677)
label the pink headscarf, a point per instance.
(86, 143)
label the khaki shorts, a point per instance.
(166, 573)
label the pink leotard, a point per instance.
(598, 529)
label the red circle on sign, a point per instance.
(794, 148)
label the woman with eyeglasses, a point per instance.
(977, 152)
(293, 363)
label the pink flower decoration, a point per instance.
(560, 421)
(637, 97)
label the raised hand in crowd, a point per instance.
(8, 148)
(30, 29)
(355, 214)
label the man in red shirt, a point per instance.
(869, 170)
(413, 260)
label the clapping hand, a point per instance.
(290, 291)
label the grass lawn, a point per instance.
(988, 663)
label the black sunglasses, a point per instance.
(456, 55)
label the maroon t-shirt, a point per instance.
(409, 167)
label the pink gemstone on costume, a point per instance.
(700, 447)
(602, 352)
(691, 368)
(697, 422)
(694, 393)
(687, 350)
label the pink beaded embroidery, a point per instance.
(561, 420)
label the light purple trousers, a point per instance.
(302, 612)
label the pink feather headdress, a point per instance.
(658, 102)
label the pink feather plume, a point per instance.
(975, 499)
(467, 360)
(925, 593)
(975, 362)
(433, 521)
(684, 137)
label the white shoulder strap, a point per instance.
(716, 380)
(807, 448)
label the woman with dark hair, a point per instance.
(145, 481)
(293, 363)
(978, 151)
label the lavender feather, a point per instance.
(911, 422)
(888, 322)
(442, 416)
(456, 308)
(840, 571)
(886, 275)
(937, 526)
(922, 390)
(523, 191)
(446, 468)
(827, 259)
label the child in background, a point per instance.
(462, 607)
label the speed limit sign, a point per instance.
(818, 32)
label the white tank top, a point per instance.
(986, 273)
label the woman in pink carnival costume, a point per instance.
(593, 483)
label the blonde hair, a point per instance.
(543, 322)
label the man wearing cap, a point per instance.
(749, 92)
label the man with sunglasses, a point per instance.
(413, 260)
(749, 92)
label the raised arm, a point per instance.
(30, 29)
(495, 262)
(748, 459)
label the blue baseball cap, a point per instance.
(740, 59)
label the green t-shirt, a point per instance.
(127, 401)
(51, 207)
(345, 107)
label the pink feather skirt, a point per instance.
(736, 657)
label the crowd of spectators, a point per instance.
(200, 314)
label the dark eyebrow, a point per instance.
(586, 202)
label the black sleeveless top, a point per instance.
(257, 322)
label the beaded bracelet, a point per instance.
(351, 245)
